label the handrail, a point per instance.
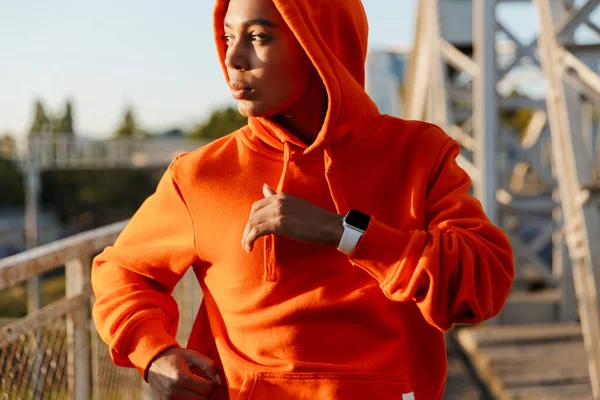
(23, 266)
(59, 340)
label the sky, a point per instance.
(154, 55)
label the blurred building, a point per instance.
(456, 23)
(384, 73)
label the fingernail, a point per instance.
(219, 379)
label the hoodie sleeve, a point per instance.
(134, 311)
(459, 270)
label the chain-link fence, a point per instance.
(114, 383)
(40, 353)
(34, 366)
(109, 381)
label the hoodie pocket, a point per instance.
(325, 386)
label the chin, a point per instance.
(254, 109)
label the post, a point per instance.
(78, 278)
(418, 65)
(32, 198)
(581, 221)
(95, 362)
(561, 268)
(34, 292)
(485, 110)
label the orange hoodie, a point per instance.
(293, 320)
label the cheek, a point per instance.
(284, 76)
(289, 78)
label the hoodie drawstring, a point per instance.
(269, 242)
(337, 195)
(333, 182)
(286, 165)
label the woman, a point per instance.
(359, 246)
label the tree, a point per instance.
(41, 122)
(64, 124)
(8, 147)
(10, 176)
(220, 123)
(129, 128)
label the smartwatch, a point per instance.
(355, 225)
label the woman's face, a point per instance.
(268, 69)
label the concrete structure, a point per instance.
(557, 199)
(384, 75)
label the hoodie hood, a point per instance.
(334, 35)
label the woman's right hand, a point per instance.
(170, 375)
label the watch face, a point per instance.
(358, 220)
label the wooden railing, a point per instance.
(64, 152)
(56, 350)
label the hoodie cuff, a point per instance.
(148, 339)
(380, 249)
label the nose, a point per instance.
(236, 57)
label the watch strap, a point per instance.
(349, 240)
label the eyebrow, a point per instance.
(257, 21)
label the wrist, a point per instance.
(160, 355)
(354, 224)
(336, 229)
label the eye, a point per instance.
(259, 38)
(228, 39)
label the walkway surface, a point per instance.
(530, 362)
(461, 384)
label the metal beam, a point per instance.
(573, 20)
(485, 108)
(564, 111)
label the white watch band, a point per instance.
(350, 239)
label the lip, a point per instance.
(242, 94)
(240, 91)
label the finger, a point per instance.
(206, 364)
(259, 231)
(269, 219)
(257, 216)
(187, 394)
(267, 191)
(198, 384)
(262, 203)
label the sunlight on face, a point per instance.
(268, 69)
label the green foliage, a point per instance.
(11, 181)
(221, 123)
(90, 199)
(129, 128)
(41, 122)
(8, 146)
(64, 124)
(13, 301)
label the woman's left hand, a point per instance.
(287, 215)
